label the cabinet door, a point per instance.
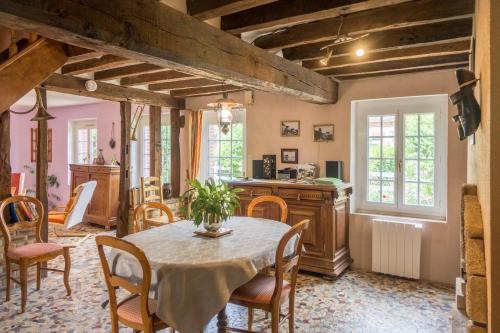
(314, 237)
(99, 203)
(78, 178)
(341, 226)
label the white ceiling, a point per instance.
(54, 99)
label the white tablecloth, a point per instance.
(194, 276)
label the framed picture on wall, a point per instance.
(290, 128)
(289, 156)
(323, 133)
(34, 144)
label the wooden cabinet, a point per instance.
(326, 206)
(103, 208)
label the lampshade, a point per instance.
(223, 108)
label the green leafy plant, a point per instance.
(52, 182)
(212, 202)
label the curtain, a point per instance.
(195, 127)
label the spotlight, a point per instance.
(327, 57)
(360, 52)
(91, 85)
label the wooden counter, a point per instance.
(326, 206)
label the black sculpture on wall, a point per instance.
(469, 113)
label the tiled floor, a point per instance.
(356, 302)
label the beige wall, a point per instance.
(440, 250)
(484, 156)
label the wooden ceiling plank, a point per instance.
(76, 86)
(76, 54)
(389, 39)
(404, 71)
(433, 50)
(105, 62)
(164, 76)
(191, 92)
(160, 35)
(396, 65)
(292, 12)
(118, 73)
(208, 9)
(175, 85)
(397, 16)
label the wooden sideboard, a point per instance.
(103, 208)
(326, 206)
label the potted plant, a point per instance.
(211, 204)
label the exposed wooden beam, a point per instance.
(291, 12)
(76, 86)
(76, 54)
(28, 68)
(164, 76)
(123, 195)
(5, 190)
(155, 141)
(120, 72)
(404, 71)
(175, 152)
(396, 65)
(42, 169)
(433, 50)
(191, 92)
(207, 9)
(105, 62)
(388, 39)
(175, 85)
(402, 15)
(161, 35)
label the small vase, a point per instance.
(167, 190)
(100, 158)
(212, 224)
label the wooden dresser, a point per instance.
(103, 208)
(326, 206)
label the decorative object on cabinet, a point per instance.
(287, 173)
(290, 128)
(257, 169)
(269, 166)
(334, 169)
(99, 160)
(34, 144)
(103, 208)
(307, 171)
(289, 155)
(323, 133)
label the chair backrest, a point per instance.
(285, 264)
(140, 214)
(113, 281)
(83, 194)
(269, 198)
(31, 204)
(151, 189)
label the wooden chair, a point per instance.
(141, 211)
(31, 254)
(151, 189)
(137, 311)
(268, 293)
(269, 198)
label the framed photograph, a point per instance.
(290, 128)
(323, 133)
(289, 156)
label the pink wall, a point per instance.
(440, 247)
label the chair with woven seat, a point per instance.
(271, 199)
(137, 311)
(28, 255)
(268, 293)
(140, 215)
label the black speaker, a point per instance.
(257, 169)
(269, 166)
(334, 169)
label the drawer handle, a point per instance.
(298, 196)
(251, 194)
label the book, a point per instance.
(25, 211)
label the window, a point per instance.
(165, 151)
(400, 147)
(84, 141)
(223, 155)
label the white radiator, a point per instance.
(396, 248)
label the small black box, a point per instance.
(334, 169)
(257, 169)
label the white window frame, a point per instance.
(75, 126)
(361, 110)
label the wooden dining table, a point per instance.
(194, 276)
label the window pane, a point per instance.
(225, 148)
(213, 148)
(426, 194)
(374, 126)
(388, 125)
(411, 124)
(388, 169)
(374, 147)
(427, 124)
(427, 171)
(388, 148)
(388, 192)
(427, 147)
(374, 169)
(237, 165)
(374, 191)
(411, 170)
(213, 165)
(411, 194)
(237, 148)
(225, 166)
(237, 131)
(213, 132)
(411, 147)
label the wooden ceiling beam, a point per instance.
(418, 52)
(164, 76)
(396, 65)
(120, 72)
(407, 14)
(292, 12)
(192, 92)
(405, 71)
(175, 85)
(111, 92)
(389, 39)
(87, 66)
(160, 35)
(207, 9)
(76, 54)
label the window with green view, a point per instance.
(225, 152)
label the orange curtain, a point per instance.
(195, 126)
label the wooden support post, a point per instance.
(123, 211)
(4, 155)
(155, 141)
(175, 151)
(42, 168)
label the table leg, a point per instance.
(222, 321)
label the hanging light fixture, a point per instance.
(224, 107)
(41, 112)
